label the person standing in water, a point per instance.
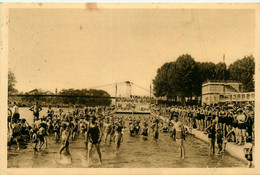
(9, 120)
(15, 113)
(93, 137)
(211, 130)
(145, 131)
(107, 129)
(179, 135)
(50, 112)
(64, 150)
(36, 111)
(248, 151)
(118, 133)
(155, 128)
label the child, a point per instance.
(248, 151)
(42, 133)
(35, 140)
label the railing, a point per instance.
(220, 81)
(242, 96)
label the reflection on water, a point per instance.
(134, 153)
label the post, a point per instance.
(150, 97)
(116, 96)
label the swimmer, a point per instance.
(219, 140)
(35, 140)
(64, 138)
(211, 130)
(180, 136)
(107, 129)
(155, 129)
(248, 151)
(145, 130)
(41, 134)
(36, 110)
(65, 156)
(118, 133)
(94, 136)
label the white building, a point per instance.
(220, 91)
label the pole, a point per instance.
(150, 96)
(116, 96)
(223, 69)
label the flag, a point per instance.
(224, 58)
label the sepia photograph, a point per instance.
(130, 86)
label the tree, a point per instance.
(206, 72)
(243, 70)
(11, 83)
(186, 76)
(161, 84)
(221, 72)
(176, 78)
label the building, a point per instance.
(225, 91)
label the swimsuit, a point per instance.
(212, 132)
(94, 135)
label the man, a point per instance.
(179, 135)
(241, 119)
(36, 111)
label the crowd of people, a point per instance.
(100, 125)
(221, 124)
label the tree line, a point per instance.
(66, 97)
(183, 78)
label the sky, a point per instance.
(78, 48)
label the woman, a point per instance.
(94, 136)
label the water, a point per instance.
(134, 153)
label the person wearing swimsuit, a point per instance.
(180, 136)
(64, 150)
(155, 129)
(145, 131)
(137, 128)
(211, 130)
(36, 110)
(131, 128)
(248, 151)
(50, 112)
(222, 120)
(94, 136)
(107, 129)
(118, 133)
